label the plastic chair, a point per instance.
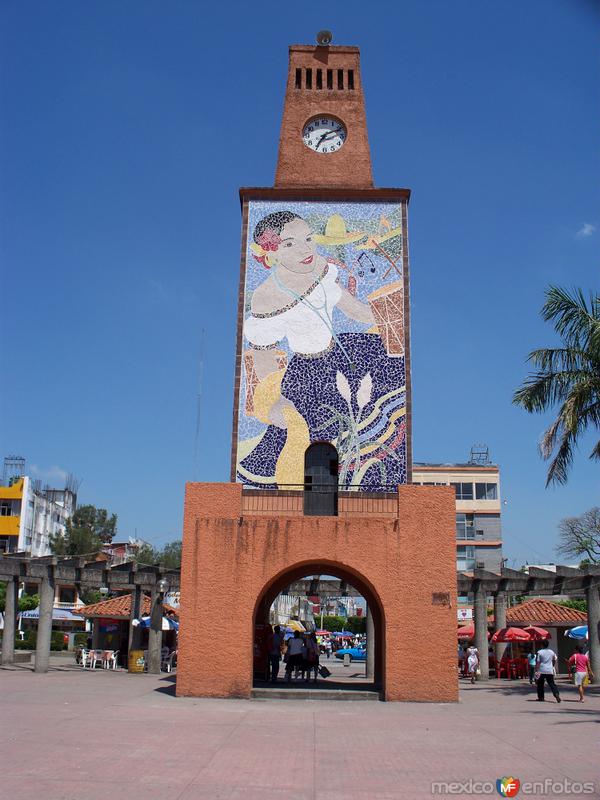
(167, 663)
(96, 657)
(110, 659)
(523, 668)
(84, 657)
(503, 669)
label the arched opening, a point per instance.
(321, 480)
(314, 580)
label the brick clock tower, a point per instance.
(323, 321)
(321, 454)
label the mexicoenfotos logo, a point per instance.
(508, 786)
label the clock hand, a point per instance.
(324, 136)
(327, 136)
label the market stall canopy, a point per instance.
(468, 631)
(580, 632)
(58, 614)
(537, 634)
(168, 624)
(511, 635)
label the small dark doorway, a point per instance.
(321, 480)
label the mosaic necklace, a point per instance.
(326, 319)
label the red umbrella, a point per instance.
(468, 632)
(511, 635)
(537, 634)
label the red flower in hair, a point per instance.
(269, 240)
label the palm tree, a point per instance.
(567, 376)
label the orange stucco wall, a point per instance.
(229, 561)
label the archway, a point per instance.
(295, 572)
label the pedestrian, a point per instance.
(275, 642)
(472, 662)
(461, 659)
(294, 653)
(531, 659)
(580, 662)
(328, 648)
(545, 669)
(312, 656)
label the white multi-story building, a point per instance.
(30, 514)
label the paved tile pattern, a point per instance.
(75, 735)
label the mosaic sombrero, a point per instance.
(336, 233)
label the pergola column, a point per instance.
(10, 621)
(136, 613)
(500, 622)
(44, 633)
(370, 673)
(481, 642)
(592, 597)
(155, 632)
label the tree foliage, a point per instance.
(334, 623)
(86, 532)
(578, 605)
(26, 602)
(169, 555)
(579, 537)
(567, 377)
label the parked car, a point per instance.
(355, 653)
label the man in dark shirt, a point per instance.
(275, 642)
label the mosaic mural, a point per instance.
(323, 343)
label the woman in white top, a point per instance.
(472, 662)
(330, 373)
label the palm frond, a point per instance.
(542, 390)
(574, 315)
(559, 359)
(558, 470)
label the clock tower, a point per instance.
(321, 451)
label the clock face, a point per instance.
(324, 134)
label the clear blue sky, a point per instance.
(127, 129)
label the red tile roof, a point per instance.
(118, 608)
(545, 612)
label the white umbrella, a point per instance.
(168, 624)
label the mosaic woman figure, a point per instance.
(332, 376)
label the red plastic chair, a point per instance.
(503, 668)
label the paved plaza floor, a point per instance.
(76, 735)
